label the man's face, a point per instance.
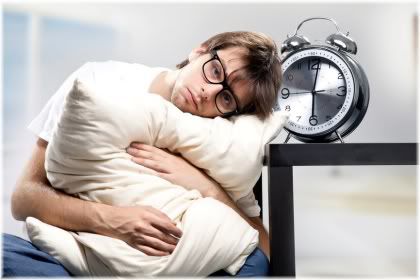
(193, 94)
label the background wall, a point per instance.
(349, 221)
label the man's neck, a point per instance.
(164, 83)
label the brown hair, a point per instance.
(262, 70)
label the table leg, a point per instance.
(282, 239)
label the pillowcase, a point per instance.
(110, 118)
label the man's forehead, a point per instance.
(232, 58)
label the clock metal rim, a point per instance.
(355, 91)
(356, 112)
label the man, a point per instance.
(230, 73)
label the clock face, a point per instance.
(317, 91)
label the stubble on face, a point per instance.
(180, 96)
(181, 100)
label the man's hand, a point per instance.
(170, 167)
(144, 228)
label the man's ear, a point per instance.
(196, 52)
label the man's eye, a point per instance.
(227, 98)
(217, 71)
(225, 102)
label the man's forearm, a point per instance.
(36, 199)
(34, 196)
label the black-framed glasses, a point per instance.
(214, 73)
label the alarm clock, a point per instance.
(324, 90)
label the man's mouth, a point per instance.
(192, 98)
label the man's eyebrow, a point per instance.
(224, 68)
(223, 64)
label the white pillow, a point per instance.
(106, 120)
(86, 157)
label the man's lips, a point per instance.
(192, 98)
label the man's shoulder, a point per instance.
(114, 73)
(115, 66)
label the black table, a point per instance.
(280, 159)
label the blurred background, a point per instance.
(349, 221)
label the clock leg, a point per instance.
(339, 136)
(287, 138)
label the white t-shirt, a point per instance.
(137, 76)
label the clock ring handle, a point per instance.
(314, 18)
(340, 40)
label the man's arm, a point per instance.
(264, 239)
(215, 191)
(144, 228)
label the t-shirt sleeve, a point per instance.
(45, 122)
(249, 205)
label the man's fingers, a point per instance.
(152, 162)
(140, 153)
(148, 148)
(167, 238)
(149, 163)
(156, 244)
(163, 223)
(168, 227)
(143, 154)
(150, 251)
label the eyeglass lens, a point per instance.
(225, 102)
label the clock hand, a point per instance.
(313, 89)
(313, 103)
(316, 75)
(307, 92)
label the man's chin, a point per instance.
(187, 110)
(183, 106)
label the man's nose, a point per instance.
(209, 91)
